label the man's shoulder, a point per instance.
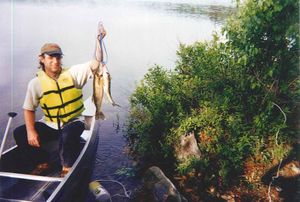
(34, 84)
(34, 80)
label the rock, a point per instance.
(290, 169)
(188, 147)
(295, 169)
(161, 187)
(228, 197)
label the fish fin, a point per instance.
(115, 104)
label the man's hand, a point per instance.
(101, 31)
(32, 135)
(33, 138)
(98, 56)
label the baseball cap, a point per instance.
(51, 49)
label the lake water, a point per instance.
(140, 33)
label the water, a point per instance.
(141, 33)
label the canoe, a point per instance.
(15, 185)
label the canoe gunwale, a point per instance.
(30, 177)
(13, 200)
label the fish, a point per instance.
(101, 86)
(107, 85)
(98, 94)
(102, 78)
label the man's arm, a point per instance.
(82, 72)
(32, 135)
(98, 55)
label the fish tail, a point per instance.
(100, 115)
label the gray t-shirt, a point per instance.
(80, 74)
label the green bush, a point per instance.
(233, 94)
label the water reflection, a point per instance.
(214, 10)
(215, 13)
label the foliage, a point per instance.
(125, 171)
(233, 94)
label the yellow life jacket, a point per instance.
(60, 100)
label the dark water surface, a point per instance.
(141, 33)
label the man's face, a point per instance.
(52, 63)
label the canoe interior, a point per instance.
(73, 187)
(23, 189)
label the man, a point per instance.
(58, 92)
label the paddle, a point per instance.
(11, 116)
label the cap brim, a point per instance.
(53, 53)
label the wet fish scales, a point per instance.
(107, 88)
(98, 95)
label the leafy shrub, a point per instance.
(233, 94)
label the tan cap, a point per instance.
(51, 49)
